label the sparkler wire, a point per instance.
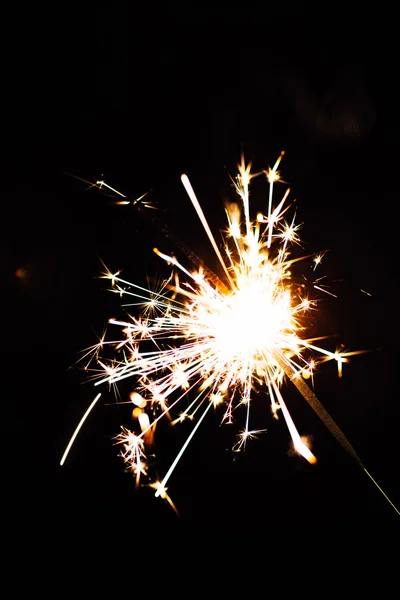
(327, 420)
(318, 408)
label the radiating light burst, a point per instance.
(200, 342)
(223, 340)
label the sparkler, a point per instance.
(203, 340)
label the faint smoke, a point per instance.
(341, 109)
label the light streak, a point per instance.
(81, 422)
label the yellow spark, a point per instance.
(161, 491)
(188, 187)
(132, 452)
(146, 428)
(364, 292)
(245, 435)
(318, 259)
(111, 371)
(113, 277)
(289, 233)
(317, 287)
(273, 174)
(102, 184)
(217, 398)
(138, 399)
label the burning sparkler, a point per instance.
(204, 340)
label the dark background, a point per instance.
(139, 97)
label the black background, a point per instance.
(139, 98)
